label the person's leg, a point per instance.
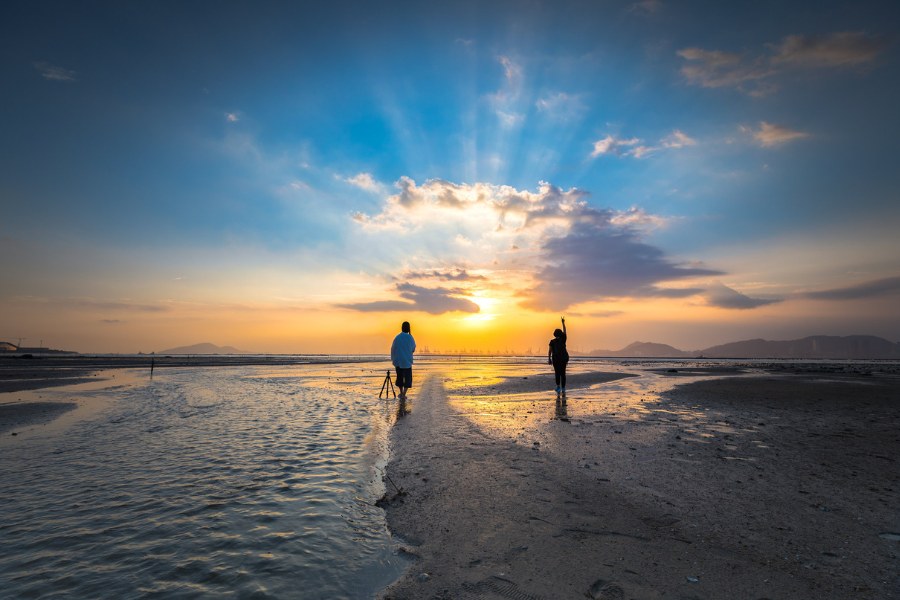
(400, 382)
(404, 381)
(557, 375)
(562, 378)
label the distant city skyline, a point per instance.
(301, 177)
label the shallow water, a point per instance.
(237, 481)
(260, 482)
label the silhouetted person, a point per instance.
(402, 358)
(559, 357)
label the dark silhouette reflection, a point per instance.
(402, 410)
(562, 410)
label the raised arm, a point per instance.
(563, 319)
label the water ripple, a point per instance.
(241, 481)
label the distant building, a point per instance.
(7, 347)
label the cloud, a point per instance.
(635, 147)
(769, 135)
(505, 101)
(54, 73)
(488, 210)
(446, 275)
(379, 306)
(595, 261)
(434, 301)
(232, 117)
(678, 139)
(550, 247)
(512, 71)
(561, 106)
(845, 49)
(869, 289)
(639, 218)
(752, 74)
(510, 119)
(714, 68)
(92, 304)
(364, 181)
(612, 145)
(722, 296)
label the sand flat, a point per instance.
(751, 486)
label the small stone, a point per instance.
(693, 579)
(423, 577)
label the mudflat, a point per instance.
(779, 485)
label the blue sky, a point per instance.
(689, 172)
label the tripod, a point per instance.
(386, 386)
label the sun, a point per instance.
(487, 310)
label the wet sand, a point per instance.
(765, 486)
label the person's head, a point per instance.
(557, 333)
(405, 327)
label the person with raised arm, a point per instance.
(559, 357)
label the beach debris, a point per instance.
(385, 499)
(693, 579)
(605, 590)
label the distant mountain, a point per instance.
(205, 348)
(645, 350)
(817, 346)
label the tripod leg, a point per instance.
(392, 384)
(383, 386)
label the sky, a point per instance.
(299, 177)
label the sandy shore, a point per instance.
(778, 486)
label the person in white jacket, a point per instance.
(402, 350)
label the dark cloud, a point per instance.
(434, 301)
(753, 73)
(595, 261)
(722, 296)
(869, 289)
(842, 49)
(379, 306)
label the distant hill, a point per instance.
(817, 346)
(204, 348)
(645, 350)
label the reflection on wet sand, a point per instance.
(402, 408)
(562, 410)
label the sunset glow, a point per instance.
(172, 176)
